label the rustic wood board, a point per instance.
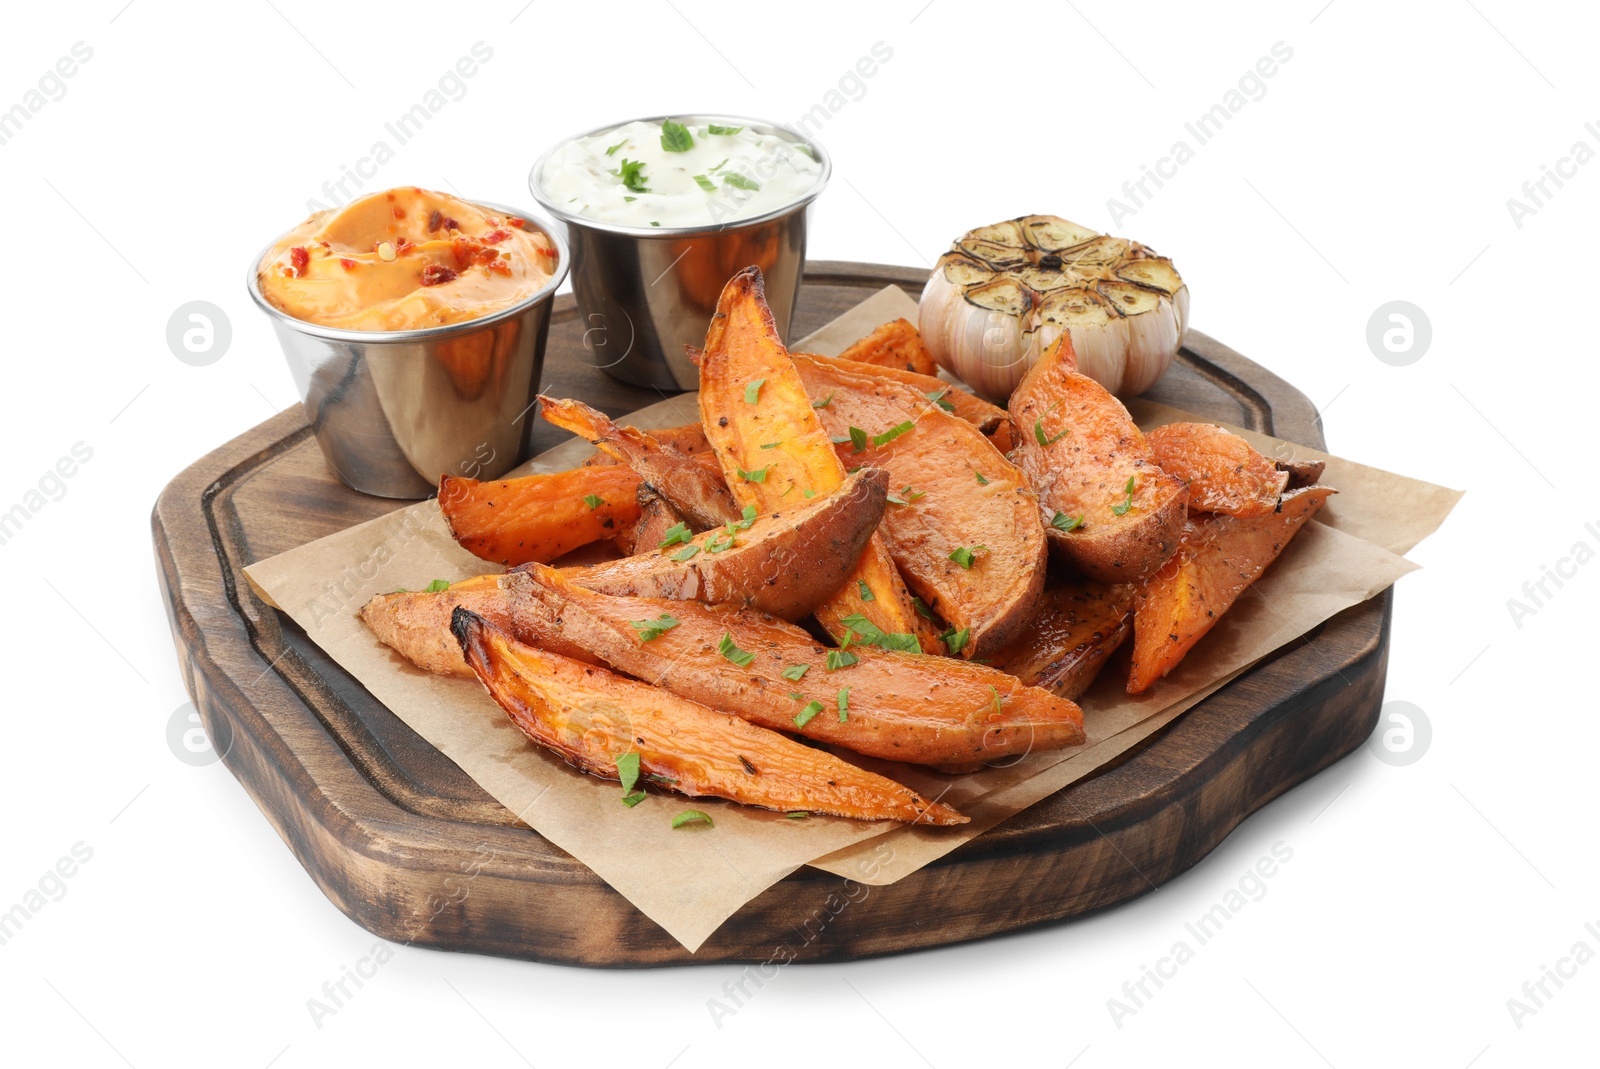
(391, 831)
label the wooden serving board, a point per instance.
(391, 830)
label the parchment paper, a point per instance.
(691, 880)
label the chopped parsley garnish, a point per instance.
(720, 543)
(770, 445)
(632, 174)
(675, 137)
(686, 553)
(705, 183)
(798, 814)
(757, 476)
(594, 501)
(691, 816)
(964, 556)
(752, 392)
(866, 591)
(981, 480)
(629, 200)
(955, 641)
(873, 635)
(824, 402)
(612, 150)
(803, 717)
(437, 585)
(838, 659)
(858, 440)
(649, 629)
(809, 494)
(937, 397)
(678, 532)
(922, 608)
(749, 514)
(906, 496)
(733, 652)
(1043, 439)
(844, 704)
(739, 181)
(628, 773)
(1127, 503)
(795, 671)
(1062, 522)
(719, 166)
(726, 131)
(892, 433)
(996, 695)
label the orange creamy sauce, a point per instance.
(406, 259)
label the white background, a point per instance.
(1376, 167)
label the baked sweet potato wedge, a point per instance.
(963, 404)
(593, 717)
(538, 517)
(688, 439)
(1302, 473)
(773, 448)
(656, 518)
(1079, 625)
(416, 623)
(1219, 556)
(895, 344)
(694, 488)
(883, 703)
(1108, 508)
(784, 563)
(1224, 473)
(962, 524)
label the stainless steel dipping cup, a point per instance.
(395, 410)
(645, 292)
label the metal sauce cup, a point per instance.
(395, 410)
(646, 292)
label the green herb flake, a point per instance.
(955, 641)
(678, 532)
(705, 183)
(803, 717)
(629, 200)
(691, 816)
(594, 501)
(612, 150)
(838, 659)
(770, 445)
(719, 166)
(721, 543)
(809, 494)
(866, 591)
(995, 694)
(937, 397)
(686, 553)
(437, 586)
(675, 137)
(632, 174)
(858, 440)
(1043, 439)
(752, 392)
(906, 496)
(824, 402)
(757, 476)
(649, 629)
(749, 514)
(892, 433)
(799, 814)
(981, 480)
(922, 608)
(723, 131)
(964, 556)
(1062, 522)
(844, 704)
(795, 671)
(873, 635)
(739, 181)
(628, 773)
(1127, 503)
(733, 653)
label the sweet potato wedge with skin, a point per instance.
(941, 507)
(688, 439)
(591, 717)
(537, 517)
(743, 354)
(1302, 473)
(963, 403)
(1224, 473)
(416, 624)
(693, 488)
(784, 563)
(1079, 625)
(1218, 558)
(895, 344)
(901, 706)
(1078, 449)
